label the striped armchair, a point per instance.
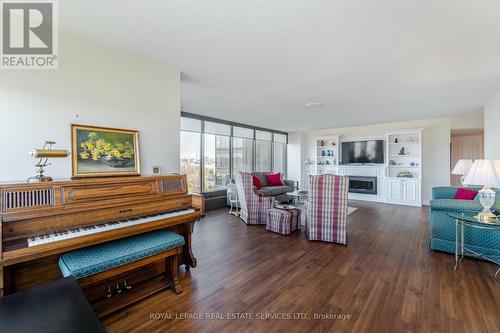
(326, 208)
(253, 207)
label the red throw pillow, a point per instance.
(465, 194)
(274, 179)
(256, 182)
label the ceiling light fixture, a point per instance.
(314, 105)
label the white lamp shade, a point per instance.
(484, 173)
(462, 168)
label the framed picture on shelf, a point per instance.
(101, 152)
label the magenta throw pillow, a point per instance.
(465, 194)
(256, 182)
(274, 179)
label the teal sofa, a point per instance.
(442, 227)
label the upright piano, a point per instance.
(41, 221)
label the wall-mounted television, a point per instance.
(363, 152)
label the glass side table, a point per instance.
(462, 221)
(298, 196)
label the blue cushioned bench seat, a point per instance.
(99, 258)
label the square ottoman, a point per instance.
(282, 221)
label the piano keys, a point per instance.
(94, 229)
(41, 221)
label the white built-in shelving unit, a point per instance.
(404, 167)
(327, 154)
(399, 179)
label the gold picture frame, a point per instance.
(104, 152)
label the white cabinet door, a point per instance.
(411, 192)
(381, 192)
(395, 193)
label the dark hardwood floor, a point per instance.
(385, 280)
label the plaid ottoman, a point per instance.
(282, 221)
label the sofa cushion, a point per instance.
(274, 190)
(256, 182)
(456, 206)
(287, 189)
(263, 192)
(99, 258)
(274, 179)
(465, 194)
(262, 177)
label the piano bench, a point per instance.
(94, 265)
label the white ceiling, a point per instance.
(260, 61)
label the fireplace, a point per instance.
(364, 185)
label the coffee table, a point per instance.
(285, 206)
(299, 196)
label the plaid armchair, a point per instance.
(326, 208)
(253, 207)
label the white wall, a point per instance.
(435, 145)
(491, 127)
(94, 85)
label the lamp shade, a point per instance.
(462, 168)
(484, 173)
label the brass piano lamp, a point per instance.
(43, 155)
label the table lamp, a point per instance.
(485, 173)
(462, 169)
(43, 156)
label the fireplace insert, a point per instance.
(365, 185)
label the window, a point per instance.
(190, 124)
(263, 136)
(263, 151)
(212, 152)
(242, 155)
(263, 157)
(190, 159)
(242, 149)
(191, 152)
(216, 128)
(279, 157)
(243, 132)
(279, 153)
(216, 162)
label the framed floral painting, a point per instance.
(100, 151)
